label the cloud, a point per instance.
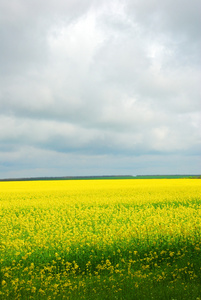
(107, 80)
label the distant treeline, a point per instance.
(104, 177)
(71, 178)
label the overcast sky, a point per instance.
(100, 87)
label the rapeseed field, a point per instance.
(100, 239)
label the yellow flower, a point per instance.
(3, 282)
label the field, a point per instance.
(101, 239)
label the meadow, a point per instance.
(100, 239)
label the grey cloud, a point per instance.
(36, 162)
(107, 81)
(160, 135)
(174, 22)
(176, 16)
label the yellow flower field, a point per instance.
(100, 239)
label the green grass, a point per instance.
(166, 176)
(163, 269)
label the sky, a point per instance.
(100, 87)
